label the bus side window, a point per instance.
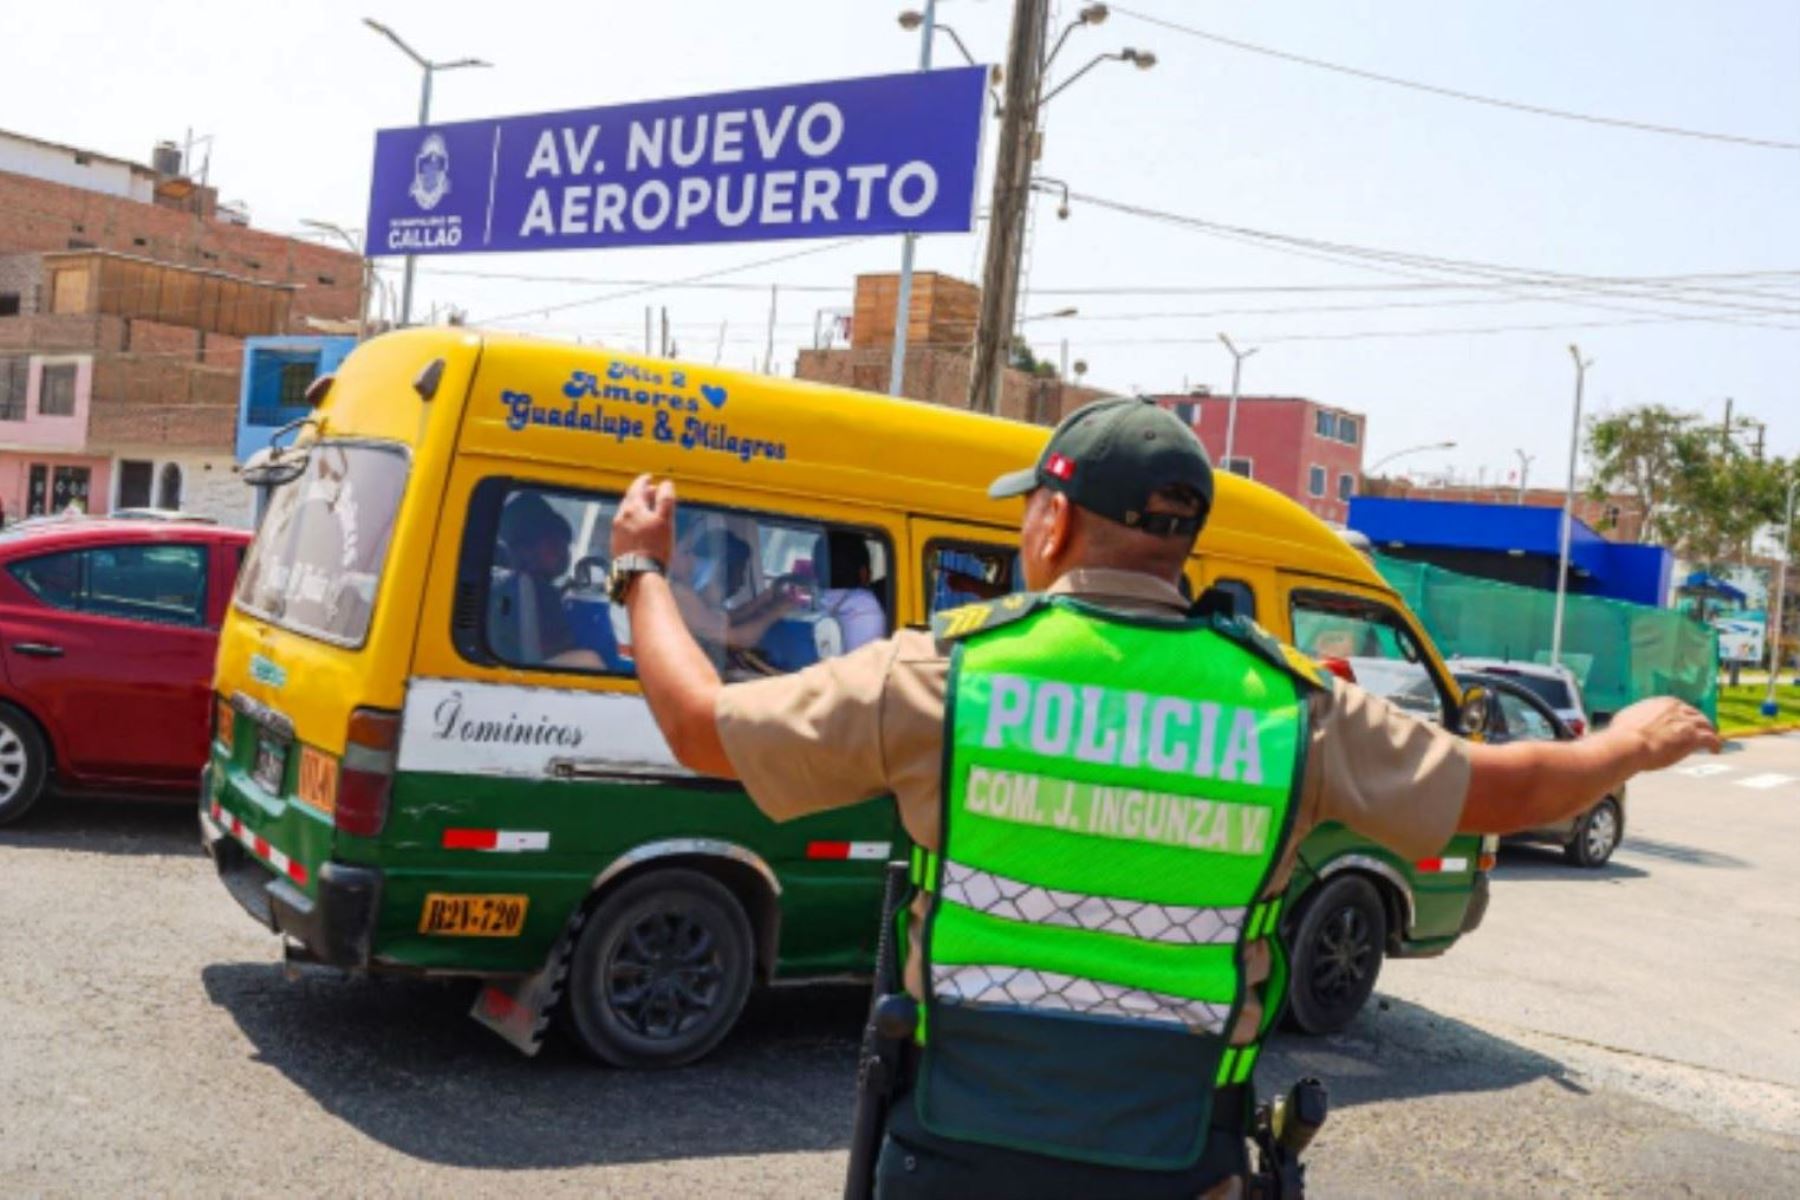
(763, 594)
(966, 573)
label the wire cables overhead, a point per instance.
(1453, 93)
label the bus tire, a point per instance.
(1337, 953)
(24, 764)
(661, 971)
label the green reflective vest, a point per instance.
(1117, 793)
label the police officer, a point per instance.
(1107, 796)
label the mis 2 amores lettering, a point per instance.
(590, 405)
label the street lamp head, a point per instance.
(1143, 60)
(911, 19)
(461, 62)
(1065, 312)
(1062, 211)
(1093, 14)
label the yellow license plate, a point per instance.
(318, 780)
(473, 916)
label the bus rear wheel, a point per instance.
(661, 971)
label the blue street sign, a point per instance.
(891, 154)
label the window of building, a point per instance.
(296, 377)
(9, 304)
(1315, 481)
(1346, 486)
(157, 583)
(56, 390)
(134, 483)
(1324, 424)
(1346, 430)
(1241, 466)
(958, 573)
(763, 594)
(14, 375)
(1186, 410)
(69, 288)
(69, 486)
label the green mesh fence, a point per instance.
(1620, 652)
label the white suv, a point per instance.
(1555, 686)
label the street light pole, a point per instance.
(909, 241)
(429, 68)
(1568, 513)
(1237, 367)
(368, 269)
(1524, 471)
(1769, 705)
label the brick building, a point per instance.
(940, 338)
(1307, 451)
(126, 293)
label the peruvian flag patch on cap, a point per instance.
(1060, 467)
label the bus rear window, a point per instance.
(317, 558)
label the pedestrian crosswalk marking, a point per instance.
(1702, 770)
(1770, 780)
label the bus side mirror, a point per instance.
(1476, 712)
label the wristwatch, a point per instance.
(625, 569)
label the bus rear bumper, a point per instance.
(336, 924)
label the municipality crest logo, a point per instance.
(431, 173)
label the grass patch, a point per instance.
(1740, 708)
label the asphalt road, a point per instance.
(1631, 1031)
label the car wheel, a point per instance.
(24, 764)
(1337, 952)
(661, 971)
(1597, 835)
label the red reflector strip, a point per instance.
(502, 840)
(233, 824)
(1436, 866)
(858, 851)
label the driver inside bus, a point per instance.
(526, 622)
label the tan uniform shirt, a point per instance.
(872, 722)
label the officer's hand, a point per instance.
(645, 522)
(1666, 729)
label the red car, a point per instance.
(108, 630)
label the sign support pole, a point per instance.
(908, 241)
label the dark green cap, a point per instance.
(1109, 457)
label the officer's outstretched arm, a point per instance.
(678, 679)
(1526, 785)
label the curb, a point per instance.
(1751, 733)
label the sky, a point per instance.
(291, 96)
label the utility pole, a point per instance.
(1524, 472)
(649, 340)
(1568, 514)
(769, 351)
(909, 241)
(1006, 213)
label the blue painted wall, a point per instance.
(1514, 543)
(267, 361)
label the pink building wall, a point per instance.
(60, 433)
(15, 479)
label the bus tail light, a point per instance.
(366, 774)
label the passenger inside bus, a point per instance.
(710, 570)
(526, 623)
(848, 596)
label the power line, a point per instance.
(659, 285)
(1499, 277)
(1453, 331)
(1453, 93)
(591, 281)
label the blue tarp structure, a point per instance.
(1700, 583)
